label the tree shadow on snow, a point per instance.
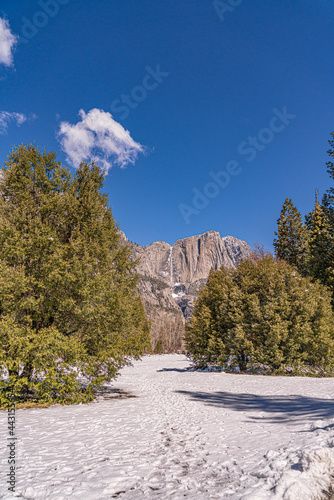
(188, 369)
(280, 408)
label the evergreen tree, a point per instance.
(204, 334)
(68, 291)
(262, 314)
(328, 198)
(291, 244)
(320, 262)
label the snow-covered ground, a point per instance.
(186, 434)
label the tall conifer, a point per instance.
(320, 244)
(328, 198)
(291, 244)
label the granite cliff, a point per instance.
(170, 277)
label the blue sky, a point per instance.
(236, 89)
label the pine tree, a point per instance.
(68, 289)
(320, 245)
(328, 198)
(291, 244)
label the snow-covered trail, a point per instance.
(185, 435)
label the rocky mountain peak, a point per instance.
(172, 275)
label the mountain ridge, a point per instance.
(171, 275)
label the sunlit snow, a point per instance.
(186, 434)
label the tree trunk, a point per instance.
(242, 359)
(27, 373)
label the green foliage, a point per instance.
(327, 236)
(310, 247)
(291, 244)
(68, 290)
(320, 264)
(52, 356)
(263, 314)
(328, 199)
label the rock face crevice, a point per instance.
(170, 277)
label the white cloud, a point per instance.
(7, 43)
(98, 137)
(6, 118)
